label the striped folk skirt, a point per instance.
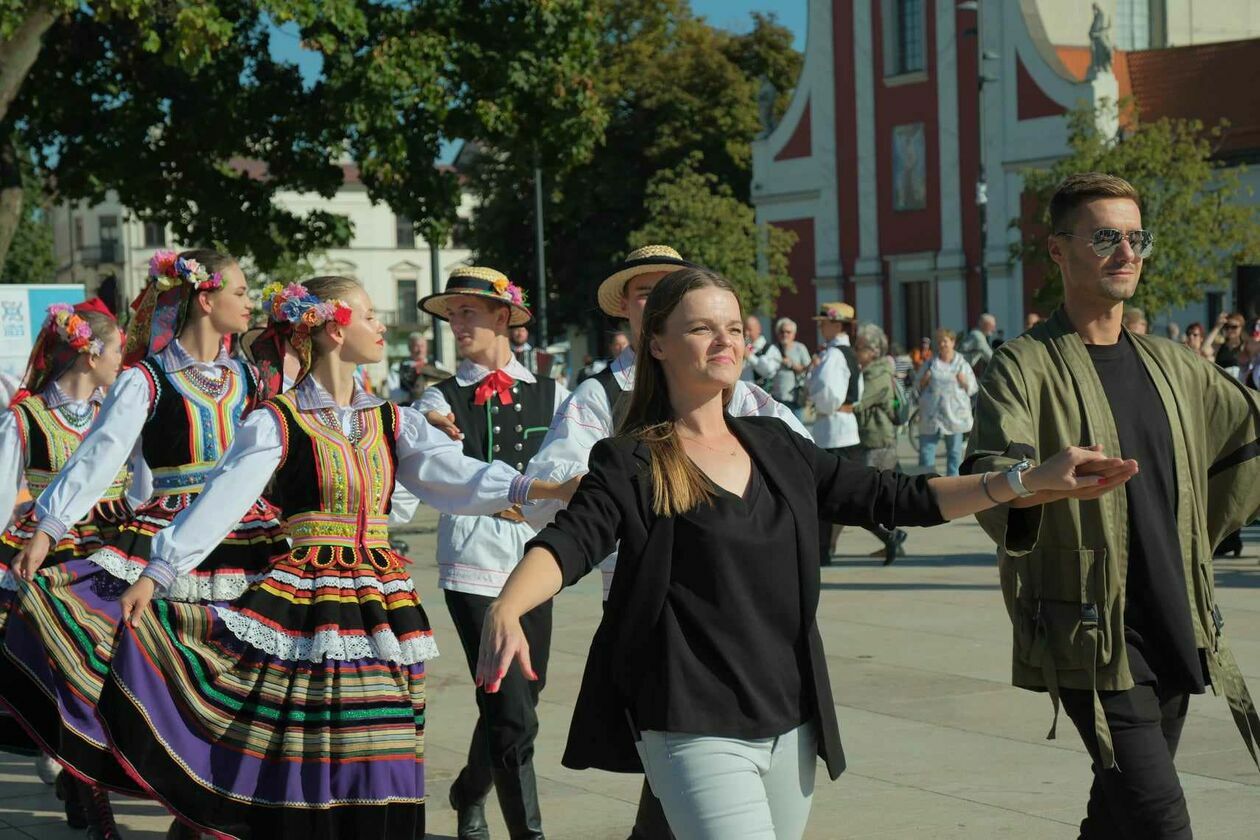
(296, 711)
(81, 540)
(58, 642)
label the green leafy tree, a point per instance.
(701, 217)
(1194, 203)
(31, 258)
(180, 109)
(671, 85)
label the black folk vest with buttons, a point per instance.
(494, 431)
(618, 400)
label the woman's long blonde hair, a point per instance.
(678, 485)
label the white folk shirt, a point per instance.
(585, 419)
(475, 554)
(828, 387)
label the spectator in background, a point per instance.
(977, 347)
(1031, 320)
(1194, 338)
(1234, 357)
(408, 379)
(788, 360)
(524, 352)
(874, 413)
(618, 341)
(902, 362)
(946, 387)
(1224, 343)
(834, 384)
(1173, 331)
(922, 354)
(1134, 320)
(757, 368)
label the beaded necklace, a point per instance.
(214, 388)
(328, 416)
(78, 418)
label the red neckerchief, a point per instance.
(498, 383)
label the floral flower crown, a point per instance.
(73, 329)
(294, 304)
(168, 269)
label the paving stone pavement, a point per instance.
(939, 744)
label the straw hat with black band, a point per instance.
(836, 311)
(646, 260)
(482, 282)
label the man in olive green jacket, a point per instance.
(1112, 598)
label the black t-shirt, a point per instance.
(731, 648)
(1158, 629)
(1227, 356)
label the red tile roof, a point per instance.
(1208, 82)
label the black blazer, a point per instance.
(614, 503)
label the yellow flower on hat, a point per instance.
(501, 285)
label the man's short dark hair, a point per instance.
(1077, 189)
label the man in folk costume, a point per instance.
(1112, 597)
(834, 385)
(503, 411)
(594, 411)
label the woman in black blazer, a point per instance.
(707, 671)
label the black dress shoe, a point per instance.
(892, 544)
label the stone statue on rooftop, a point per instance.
(1099, 44)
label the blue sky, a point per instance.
(734, 15)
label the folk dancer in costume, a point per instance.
(835, 387)
(707, 670)
(298, 710)
(76, 358)
(592, 413)
(179, 407)
(503, 412)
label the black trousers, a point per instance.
(1141, 797)
(507, 723)
(856, 454)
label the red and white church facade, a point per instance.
(874, 164)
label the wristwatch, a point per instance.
(1015, 478)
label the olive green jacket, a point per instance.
(874, 412)
(1063, 565)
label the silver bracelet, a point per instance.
(984, 485)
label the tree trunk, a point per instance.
(18, 53)
(10, 198)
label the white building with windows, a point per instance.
(92, 244)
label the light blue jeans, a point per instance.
(953, 451)
(730, 788)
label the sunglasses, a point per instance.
(1105, 241)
